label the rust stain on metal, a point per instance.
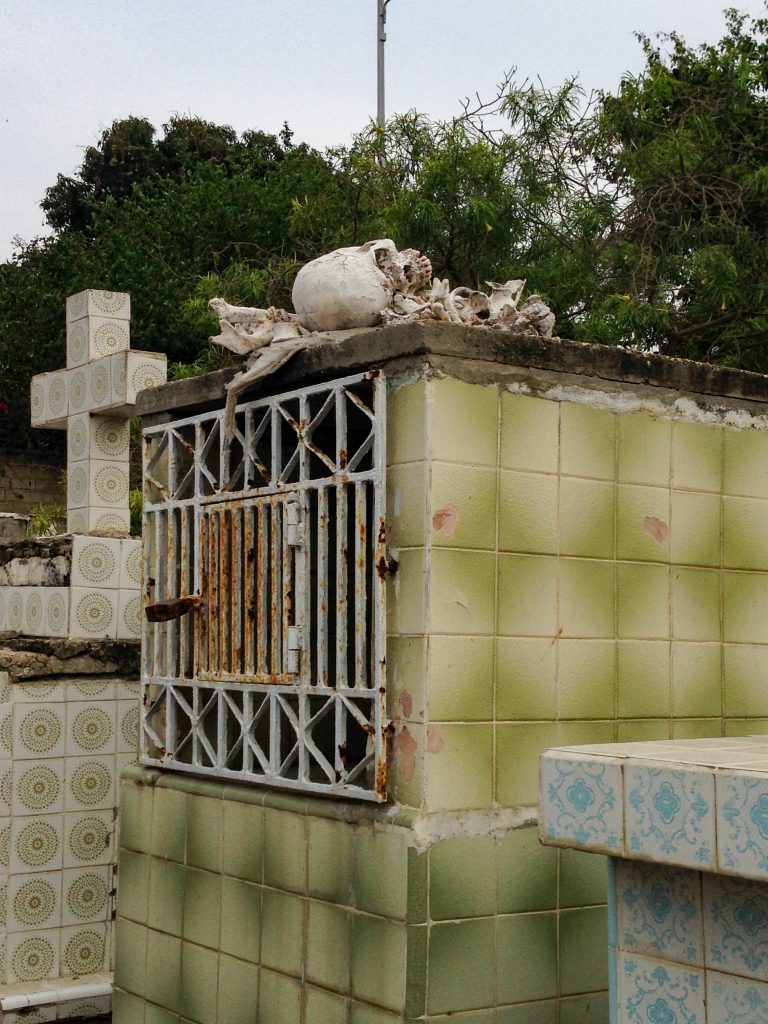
(343, 458)
(165, 611)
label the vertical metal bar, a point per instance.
(303, 450)
(249, 587)
(173, 482)
(265, 531)
(276, 563)
(360, 607)
(235, 588)
(322, 586)
(213, 592)
(342, 558)
(173, 574)
(276, 419)
(248, 466)
(287, 611)
(199, 442)
(160, 568)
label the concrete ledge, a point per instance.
(29, 658)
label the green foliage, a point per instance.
(47, 521)
(135, 507)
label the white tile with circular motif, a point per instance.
(38, 731)
(56, 611)
(5, 844)
(91, 689)
(98, 302)
(36, 844)
(129, 608)
(32, 956)
(128, 718)
(99, 522)
(38, 691)
(6, 729)
(88, 838)
(38, 787)
(34, 901)
(91, 728)
(86, 895)
(92, 436)
(6, 787)
(14, 608)
(83, 949)
(90, 783)
(129, 689)
(130, 564)
(93, 613)
(581, 802)
(134, 371)
(92, 337)
(96, 562)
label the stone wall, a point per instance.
(25, 484)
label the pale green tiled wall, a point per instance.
(567, 574)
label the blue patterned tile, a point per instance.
(742, 824)
(735, 1000)
(659, 911)
(580, 802)
(736, 926)
(670, 815)
(652, 992)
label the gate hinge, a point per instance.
(294, 524)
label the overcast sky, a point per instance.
(68, 68)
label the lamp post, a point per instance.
(381, 35)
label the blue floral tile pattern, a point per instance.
(670, 815)
(735, 1000)
(659, 911)
(742, 824)
(651, 992)
(581, 802)
(736, 926)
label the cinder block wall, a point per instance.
(26, 484)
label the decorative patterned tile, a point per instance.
(90, 783)
(34, 901)
(49, 395)
(736, 926)
(89, 689)
(83, 949)
(38, 788)
(130, 565)
(57, 611)
(38, 731)
(6, 730)
(93, 613)
(128, 726)
(132, 372)
(14, 608)
(91, 727)
(88, 839)
(92, 337)
(37, 692)
(36, 844)
(97, 302)
(96, 562)
(33, 956)
(129, 615)
(659, 911)
(742, 823)
(581, 802)
(99, 522)
(86, 895)
(652, 992)
(733, 1000)
(670, 815)
(3, 907)
(5, 844)
(129, 689)
(6, 787)
(91, 436)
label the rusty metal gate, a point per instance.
(272, 540)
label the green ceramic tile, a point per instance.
(136, 816)
(527, 595)
(407, 504)
(166, 896)
(163, 981)
(202, 907)
(471, 1017)
(591, 1009)
(594, 618)
(745, 669)
(324, 1007)
(583, 950)
(642, 523)
(518, 749)
(476, 408)
(587, 441)
(406, 677)
(127, 1008)
(418, 894)
(462, 877)
(644, 450)
(361, 1014)
(587, 518)
(238, 991)
(282, 931)
(696, 728)
(461, 592)
(745, 608)
(199, 983)
(745, 461)
(527, 872)
(459, 766)
(697, 456)
(530, 430)
(634, 730)
(528, 512)
(416, 971)
(279, 999)
(644, 678)
(583, 879)
(528, 1013)
(240, 919)
(571, 734)
(695, 528)
(130, 955)
(380, 871)
(406, 604)
(586, 678)
(169, 824)
(462, 506)
(329, 951)
(461, 675)
(643, 601)
(696, 680)
(159, 1015)
(746, 727)
(745, 533)
(285, 850)
(526, 957)
(405, 779)
(526, 679)
(379, 950)
(695, 604)
(205, 830)
(461, 965)
(406, 421)
(243, 854)
(133, 891)
(330, 860)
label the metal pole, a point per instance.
(381, 35)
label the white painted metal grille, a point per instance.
(277, 535)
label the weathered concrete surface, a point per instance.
(13, 527)
(43, 562)
(466, 351)
(44, 658)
